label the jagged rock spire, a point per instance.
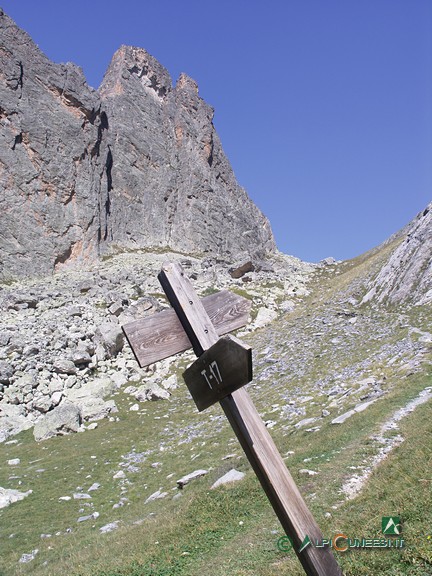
(137, 163)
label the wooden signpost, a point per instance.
(223, 366)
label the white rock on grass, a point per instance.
(156, 496)
(306, 472)
(232, 476)
(119, 474)
(109, 527)
(14, 462)
(341, 419)
(190, 477)
(265, 316)
(304, 422)
(359, 408)
(152, 392)
(89, 517)
(92, 426)
(9, 496)
(28, 557)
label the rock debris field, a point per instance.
(62, 350)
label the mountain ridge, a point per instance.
(137, 164)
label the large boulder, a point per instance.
(12, 420)
(89, 398)
(62, 420)
(95, 408)
(110, 336)
(96, 388)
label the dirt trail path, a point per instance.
(386, 444)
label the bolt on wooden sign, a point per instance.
(223, 367)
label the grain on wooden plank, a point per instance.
(161, 335)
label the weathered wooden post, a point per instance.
(224, 365)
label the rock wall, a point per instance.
(407, 275)
(178, 189)
(50, 165)
(136, 164)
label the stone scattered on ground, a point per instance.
(119, 475)
(181, 483)
(359, 408)
(306, 472)
(81, 496)
(54, 353)
(9, 496)
(109, 527)
(153, 392)
(156, 496)
(92, 516)
(25, 558)
(232, 475)
(14, 462)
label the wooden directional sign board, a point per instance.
(219, 371)
(161, 335)
(222, 368)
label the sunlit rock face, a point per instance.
(135, 164)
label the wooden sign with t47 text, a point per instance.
(223, 368)
(219, 373)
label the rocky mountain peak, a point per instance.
(134, 68)
(136, 164)
(187, 84)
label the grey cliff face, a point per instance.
(50, 170)
(407, 276)
(137, 164)
(171, 182)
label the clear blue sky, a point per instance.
(324, 107)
